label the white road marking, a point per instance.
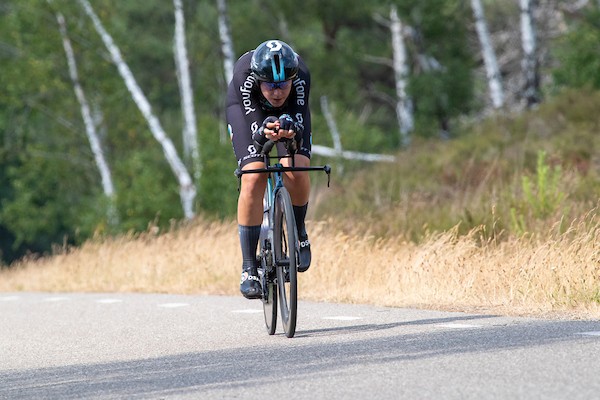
(453, 325)
(173, 305)
(342, 318)
(9, 298)
(109, 301)
(55, 299)
(247, 311)
(593, 333)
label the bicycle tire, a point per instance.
(269, 300)
(268, 282)
(285, 238)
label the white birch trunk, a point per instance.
(404, 110)
(489, 56)
(190, 132)
(335, 133)
(337, 150)
(351, 155)
(90, 127)
(226, 41)
(187, 190)
(528, 41)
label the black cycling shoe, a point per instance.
(250, 283)
(305, 256)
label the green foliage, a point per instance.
(147, 191)
(481, 178)
(578, 52)
(43, 205)
(50, 187)
(541, 196)
(218, 186)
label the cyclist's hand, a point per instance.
(270, 130)
(263, 133)
(287, 127)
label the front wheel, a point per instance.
(285, 238)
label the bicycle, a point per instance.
(279, 245)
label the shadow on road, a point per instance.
(378, 327)
(253, 367)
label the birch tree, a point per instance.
(90, 126)
(226, 41)
(190, 133)
(187, 189)
(404, 111)
(337, 150)
(335, 133)
(529, 63)
(489, 55)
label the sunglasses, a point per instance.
(275, 85)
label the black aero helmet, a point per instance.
(274, 61)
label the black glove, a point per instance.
(287, 122)
(259, 137)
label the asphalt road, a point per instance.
(134, 346)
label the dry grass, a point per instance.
(557, 275)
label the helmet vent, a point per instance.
(278, 70)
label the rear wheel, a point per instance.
(269, 300)
(285, 238)
(269, 285)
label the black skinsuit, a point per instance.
(247, 109)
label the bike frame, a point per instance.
(275, 180)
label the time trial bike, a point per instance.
(279, 246)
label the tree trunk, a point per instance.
(404, 110)
(489, 56)
(335, 133)
(530, 63)
(90, 127)
(187, 190)
(351, 155)
(226, 42)
(190, 133)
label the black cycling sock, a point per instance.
(300, 214)
(249, 236)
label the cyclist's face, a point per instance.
(276, 93)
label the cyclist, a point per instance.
(267, 99)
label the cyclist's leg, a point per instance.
(250, 214)
(250, 200)
(297, 183)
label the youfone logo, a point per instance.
(246, 91)
(300, 86)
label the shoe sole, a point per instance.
(252, 296)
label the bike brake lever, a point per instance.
(267, 147)
(238, 174)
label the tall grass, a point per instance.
(512, 174)
(556, 273)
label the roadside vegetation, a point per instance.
(501, 219)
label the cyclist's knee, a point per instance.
(254, 183)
